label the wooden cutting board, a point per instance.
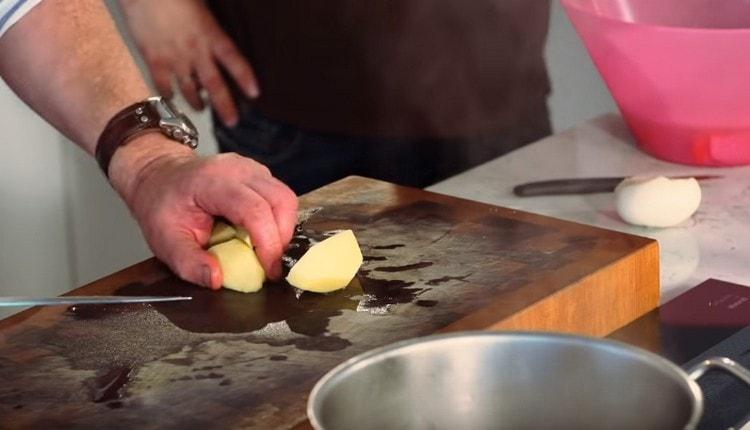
(230, 360)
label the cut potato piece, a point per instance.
(329, 265)
(244, 236)
(221, 232)
(657, 202)
(240, 266)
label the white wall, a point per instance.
(61, 225)
(34, 233)
(578, 92)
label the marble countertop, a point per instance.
(713, 244)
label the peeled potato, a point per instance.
(240, 266)
(328, 265)
(244, 236)
(657, 201)
(221, 232)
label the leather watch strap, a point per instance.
(134, 120)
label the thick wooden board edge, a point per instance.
(630, 286)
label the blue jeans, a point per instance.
(306, 160)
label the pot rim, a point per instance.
(377, 354)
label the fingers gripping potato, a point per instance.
(240, 266)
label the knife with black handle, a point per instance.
(557, 187)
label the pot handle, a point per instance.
(720, 363)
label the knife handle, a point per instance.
(566, 187)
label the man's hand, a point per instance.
(180, 40)
(174, 195)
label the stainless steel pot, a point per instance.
(487, 380)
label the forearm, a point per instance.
(68, 62)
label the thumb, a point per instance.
(191, 262)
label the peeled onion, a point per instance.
(657, 201)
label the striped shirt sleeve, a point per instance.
(13, 10)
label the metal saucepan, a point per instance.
(485, 380)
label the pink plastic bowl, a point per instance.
(679, 71)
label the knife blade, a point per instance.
(558, 187)
(85, 300)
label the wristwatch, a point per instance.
(154, 114)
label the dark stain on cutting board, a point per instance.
(225, 311)
(234, 360)
(232, 312)
(404, 268)
(394, 246)
(109, 385)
